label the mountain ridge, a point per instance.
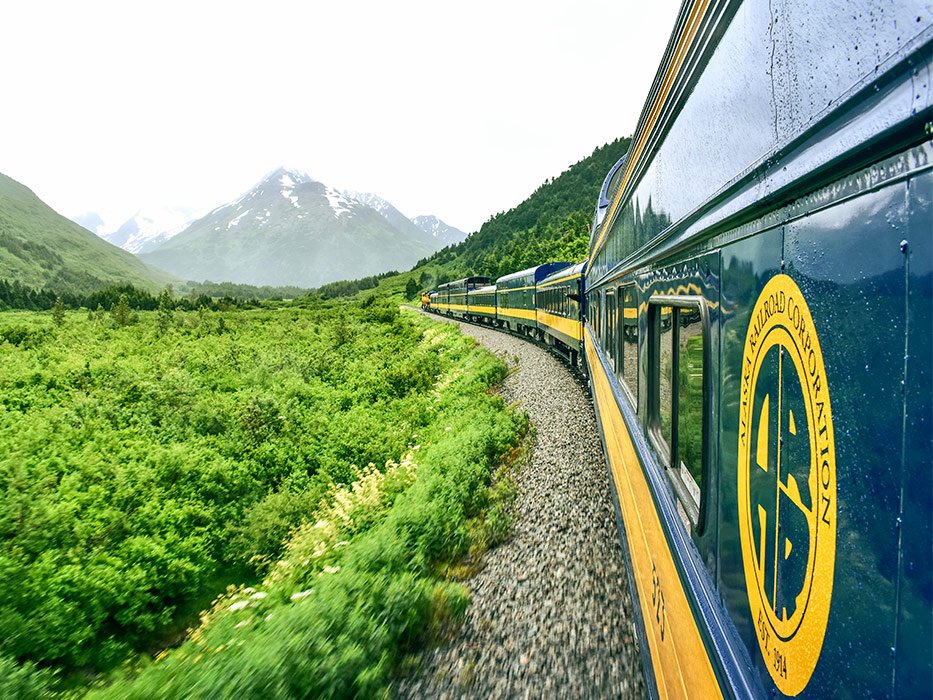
(289, 229)
(40, 248)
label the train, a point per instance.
(755, 319)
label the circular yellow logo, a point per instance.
(787, 484)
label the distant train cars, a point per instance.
(452, 297)
(481, 304)
(544, 303)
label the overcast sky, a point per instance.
(455, 110)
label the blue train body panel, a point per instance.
(776, 207)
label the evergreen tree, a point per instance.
(166, 312)
(121, 311)
(58, 312)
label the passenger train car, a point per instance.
(451, 298)
(516, 295)
(756, 316)
(559, 311)
(771, 446)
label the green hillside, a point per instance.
(551, 224)
(42, 249)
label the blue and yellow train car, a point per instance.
(454, 295)
(481, 304)
(516, 307)
(770, 444)
(440, 300)
(560, 310)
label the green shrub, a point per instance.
(142, 471)
(23, 682)
(359, 584)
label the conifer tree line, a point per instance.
(15, 295)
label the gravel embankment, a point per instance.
(550, 614)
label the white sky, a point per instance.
(458, 110)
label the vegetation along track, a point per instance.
(550, 612)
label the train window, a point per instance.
(690, 399)
(677, 398)
(602, 319)
(610, 343)
(594, 315)
(665, 376)
(629, 339)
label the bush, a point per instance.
(358, 585)
(23, 682)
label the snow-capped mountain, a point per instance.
(149, 228)
(290, 230)
(446, 235)
(91, 221)
(440, 233)
(391, 214)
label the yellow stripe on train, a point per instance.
(528, 314)
(568, 326)
(678, 655)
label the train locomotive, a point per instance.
(756, 321)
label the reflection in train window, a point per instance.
(597, 316)
(665, 380)
(610, 344)
(677, 399)
(690, 399)
(630, 341)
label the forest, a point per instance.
(239, 503)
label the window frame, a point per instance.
(696, 512)
(610, 341)
(631, 392)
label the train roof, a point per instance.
(465, 282)
(575, 271)
(484, 290)
(534, 274)
(607, 191)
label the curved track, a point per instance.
(550, 611)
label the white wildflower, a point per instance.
(239, 605)
(331, 569)
(301, 594)
(258, 595)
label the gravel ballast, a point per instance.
(550, 613)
